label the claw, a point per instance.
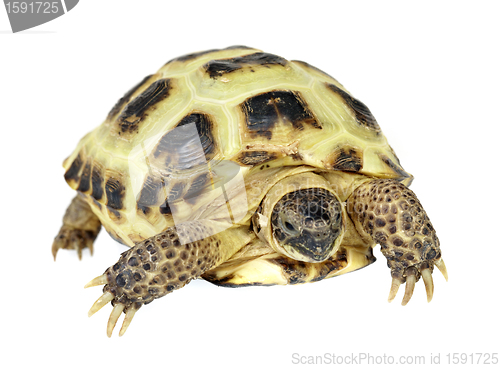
(442, 267)
(396, 283)
(410, 285)
(55, 249)
(99, 280)
(128, 319)
(115, 314)
(429, 284)
(101, 302)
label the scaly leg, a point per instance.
(163, 263)
(390, 214)
(79, 230)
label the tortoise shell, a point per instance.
(206, 115)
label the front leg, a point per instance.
(161, 264)
(390, 214)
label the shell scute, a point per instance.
(265, 111)
(137, 109)
(126, 98)
(361, 112)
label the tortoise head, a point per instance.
(302, 218)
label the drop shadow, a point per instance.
(27, 32)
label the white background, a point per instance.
(428, 72)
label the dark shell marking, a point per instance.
(347, 158)
(156, 192)
(224, 281)
(165, 209)
(362, 113)
(115, 192)
(136, 111)
(396, 168)
(217, 68)
(178, 149)
(97, 183)
(73, 173)
(264, 111)
(85, 178)
(255, 157)
(126, 98)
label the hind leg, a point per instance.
(79, 230)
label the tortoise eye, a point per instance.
(288, 226)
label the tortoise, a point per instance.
(242, 168)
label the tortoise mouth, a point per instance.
(306, 223)
(309, 250)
